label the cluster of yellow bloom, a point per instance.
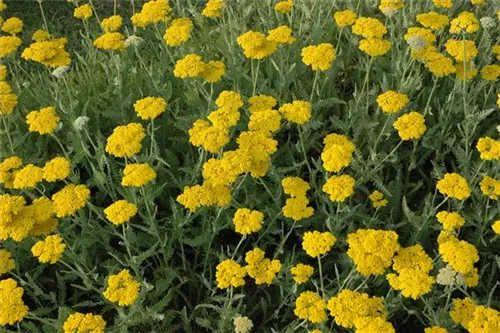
(11, 298)
(8, 100)
(257, 46)
(460, 255)
(150, 107)
(348, 307)
(389, 7)
(337, 153)
(120, 212)
(83, 12)
(50, 53)
(178, 31)
(49, 250)
(263, 270)
(247, 221)
(454, 186)
(413, 266)
(192, 66)
(213, 8)
(297, 206)
(12, 26)
(230, 274)
(392, 101)
(7, 263)
(345, 18)
(70, 199)
(410, 126)
(372, 250)
(310, 306)
(490, 187)
(138, 174)
(298, 112)
(319, 57)
(43, 121)
(317, 243)
(301, 273)
(488, 148)
(112, 23)
(284, 6)
(377, 199)
(464, 22)
(475, 318)
(450, 220)
(151, 12)
(122, 288)
(126, 140)
(79, 322)
(339, 187)
(111, 39)
(373, 31)
(9, 44)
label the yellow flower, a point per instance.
(205, 195)
(79, 323)
(460, 254)
(152, 12)
(478, 2)
(297, 208)
(266, 121)
(301, 273)
(459, 49)
(295, 186)
(70, 199)
(255, 45)
(229, 100)
(490, 72)
(42, 211)
(319, 57)
(126, 140)
(247, 221)
(439, 65)
(230, 274)
(281, 35)
(56, 169)
(11, 298)
(178, 32)
(373, 324)
(190, 66)
(263, 270)
(372, 250)
(261, 103)
(211, 138)
(150, 107)
(450, 220)
(488, 148)
(28, 177)
(426, 34)
(377, 199)
(454, 186)
(369, 27)
(122, 288)
(112, 23)
(7, 173)
(463, 311)
(317, 243)
(466, 73)
(213, 8)
(339, 187)
(496, 227)
(213, 71)
(345, 18)
(443, 3)
(6, 262)
(7, 103)
(120, 212)
(375, 47)
(225, 170)
(111, 41)
(435, 329)
(433, 20)
(43, 121)
(12, 25)
(410, 126)
(464, 22)
(83, 12)
(258, 147)
(138, 175)
(310, 306)
(284, 6)
(3, 74)
(16, 219)
(49, 250)
(298, 112)
(496, 50)
(50, 53)
(9, 45)
(40, 36)
(348, 306)
(389, 7)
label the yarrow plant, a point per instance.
(250, 166)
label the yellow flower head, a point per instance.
(43, 121)
(372, 250)
(375, 47)
(50, 53)
(213, 8)
(464, 22)
(337, 153)
(247, 221)
(310, 306)
(261, 103)
(79, 322)
(369, 27)
(42, 211)
(122, 288)
(345, 18)
(28, 177)
(425, 34)
(496, 227)
(152, 12)
(377, 199)
(319, 57)
(348, 306)
(389, 7)
(433, 20)
(229, 100)
(454, 186)
(112, 23)
(443, 3)
(11, 298)
(150, 107)
(255, 45)
(49, 250)
(7, 170)
(3, 74)
(189, 66)
(435, 329)
(111, 41)
(410, 126)
(281, 35)
(267, 121)
(490, 187)
(461, 50)
(490, 72)
(120, 212)
(297, 208)
(339, 187)
(56, 169)
(301, 273)
(12, 25)
(70, 199)
(284, 6)
(16, 219)
(317, 243)
(263, 270)
(83, 12)
(178, 32)
(230, 274)
(298, 112)
(450, 220)
(439, 65)
(466, 73)
(138, 175)
(6, 262)
(488, 148)
(40, 36)
(460, 254)
(205, 195)
(126, 140)
(211, 138)
(9, 45)
(213, 71)
(373, 324)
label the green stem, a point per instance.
(321, 277)
(302, 146)
(45, 25)
(255, 75)
(314, 86)
(8, 134)
(238, 246)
